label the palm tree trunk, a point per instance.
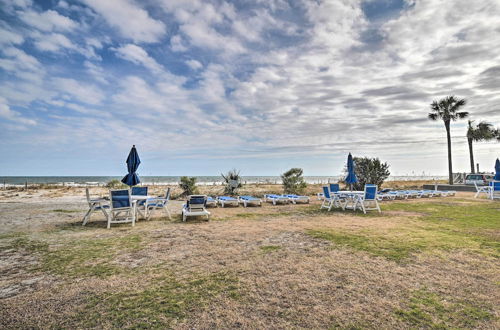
(450, 166)
(471, 155)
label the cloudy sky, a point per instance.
(260, 85)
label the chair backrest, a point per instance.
(87, 193)
(334, 187)
(120, 198)
(370, 192)
(496, 185)
(167, 194)
(141, 191)
(196, 202)
(326, 192)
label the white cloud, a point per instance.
(137, 55)
(7, 113)
(53, 42)
(10, 37)
(132, 21)
(194, 64)
(47, 21)
(177, 44)
(83, 92)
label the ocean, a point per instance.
(152, 180)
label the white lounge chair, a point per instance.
(223, 200)
(250, 200)
(195, 206)
(211, 201)
(367, 201)
(123, 209)
(160, 203)
(297, 199)
(95, 204)
(275, 199)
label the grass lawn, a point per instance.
(426, 263)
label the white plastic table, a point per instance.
(138, 198)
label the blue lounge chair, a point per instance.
(195, 206)
(223, 200)
(298, 199)
(211, 201)
(250, 200)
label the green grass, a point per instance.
(429, 310)
(440, 227)
(161, 304)
(78, 258)
(270, 248)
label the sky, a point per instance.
(204, 86)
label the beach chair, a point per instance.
(331, 199)
(223, 200)
(212, 202)
(367, 201)
(141, 204)
(250, 200)
(298, 199)
(159, 203)
(195, 206)
(495, 190)
(481, 190)
(95, 204)
(334, 188)
(386, 194)
(122, 208)
(275, 199)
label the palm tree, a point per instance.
(447, 109)
(481, 132)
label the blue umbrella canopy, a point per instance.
(351, 176)
(497, 170)
(133, 161)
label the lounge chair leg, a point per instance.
(86, 217)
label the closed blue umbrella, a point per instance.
(133, 161)
(497, 170)
(351, 176)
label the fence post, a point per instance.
(26, 185)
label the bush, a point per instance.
(232, 182)
(293, 182)
(188, 186)
(115, 184)
(370, 171)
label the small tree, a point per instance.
(370, 171)
(188, 185)
(481, 132)
(293, 181)
(232, 180)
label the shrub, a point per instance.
(188, 185)
(370, 171)
(232, 181)
(115, 184)
(293, 182)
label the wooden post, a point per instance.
(26, 185)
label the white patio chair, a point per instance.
(223, 200)
(160, 203)
(481, 190)
(195, 206)
(495, 190)
(367, 201)
(95, 204)
(275, 199)
(123, 209)
(331, 199)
